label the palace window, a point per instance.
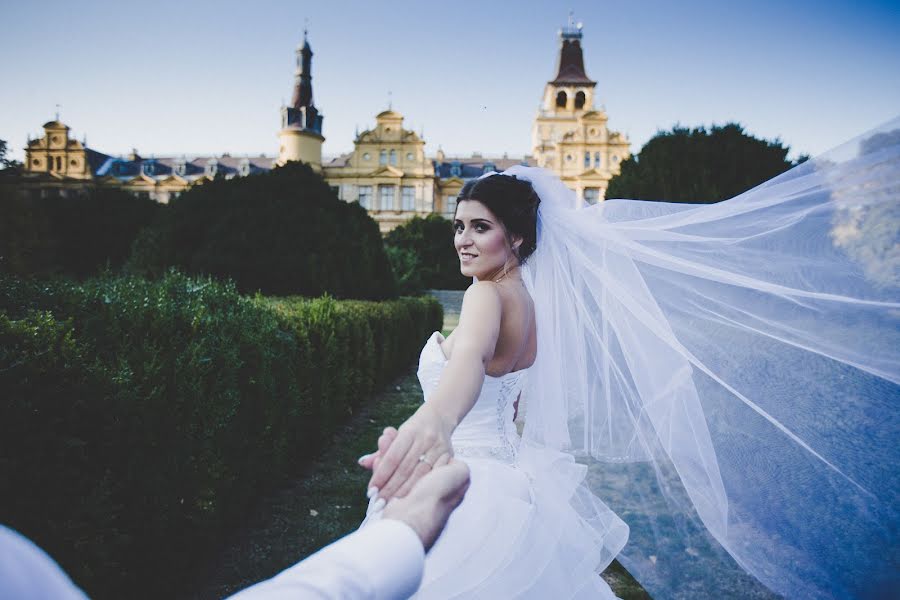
(58, 163)
(409, 156)
(408, 197)
(366, 156)
(382, 157)
(455, 169)
(561, 99)
(615, 159)
(365, 196)
(579, 100)
(489, 167)
(149, 168)
(244, 167)
(212, 167)
(181, 167)
(394, 157)
(591, 195)
(596, 159)
(450, 203)
(587, 160)
(386, 193)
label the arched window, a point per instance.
(579, 100)
(596, 159)
(58, 163)
(382, 157)
(561, 99)
(394, 157)
(455, 169)
(587, 160)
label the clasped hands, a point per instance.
(419, 450)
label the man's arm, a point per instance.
(381, 561)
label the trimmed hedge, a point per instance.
(139, 420)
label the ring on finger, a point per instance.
(422, 459)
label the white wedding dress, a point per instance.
(509, 538)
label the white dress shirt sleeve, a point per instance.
(382, 561)
(28, 573)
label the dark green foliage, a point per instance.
(429, 242)
(696, 165)
(407, 269)
(280, 233)
(74, 236)
(139, 420)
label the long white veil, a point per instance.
(729, 370)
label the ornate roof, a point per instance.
(570, 65)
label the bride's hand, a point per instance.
(370, 461)
(423, 434)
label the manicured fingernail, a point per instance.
(372, 492)
(379, 504)
(362, 458)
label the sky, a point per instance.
(186, 78)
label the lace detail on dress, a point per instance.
(488, 430)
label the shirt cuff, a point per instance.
(392, 556)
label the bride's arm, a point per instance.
(427, 432)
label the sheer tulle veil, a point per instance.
(727, 372)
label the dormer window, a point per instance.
(455, 169)
(149, 168)
(382, 157)
(394, 157)
(244, 167)
(489, 167)
(212, 167)
(181, 168)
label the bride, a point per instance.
(726, 374)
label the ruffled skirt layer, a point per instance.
(529, 530)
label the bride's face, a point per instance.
(480, 241)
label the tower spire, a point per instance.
(570, 65)
(302, 111)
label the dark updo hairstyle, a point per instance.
(514, 202)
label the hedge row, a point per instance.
(139, 420)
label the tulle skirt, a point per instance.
(518, 534)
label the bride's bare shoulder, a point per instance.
(481, 304)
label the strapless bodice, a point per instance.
(488, 429)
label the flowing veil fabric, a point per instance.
(729, 372)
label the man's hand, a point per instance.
(431, 500)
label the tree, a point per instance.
(281, 233)
(75, 236)
(430, 241)
(7, 163)
(696, 165)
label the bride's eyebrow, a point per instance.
(482, 221)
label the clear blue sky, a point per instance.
(208, 77)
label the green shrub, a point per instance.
(139, 420)
(422, 254)
(280, 233)
(73, 236)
